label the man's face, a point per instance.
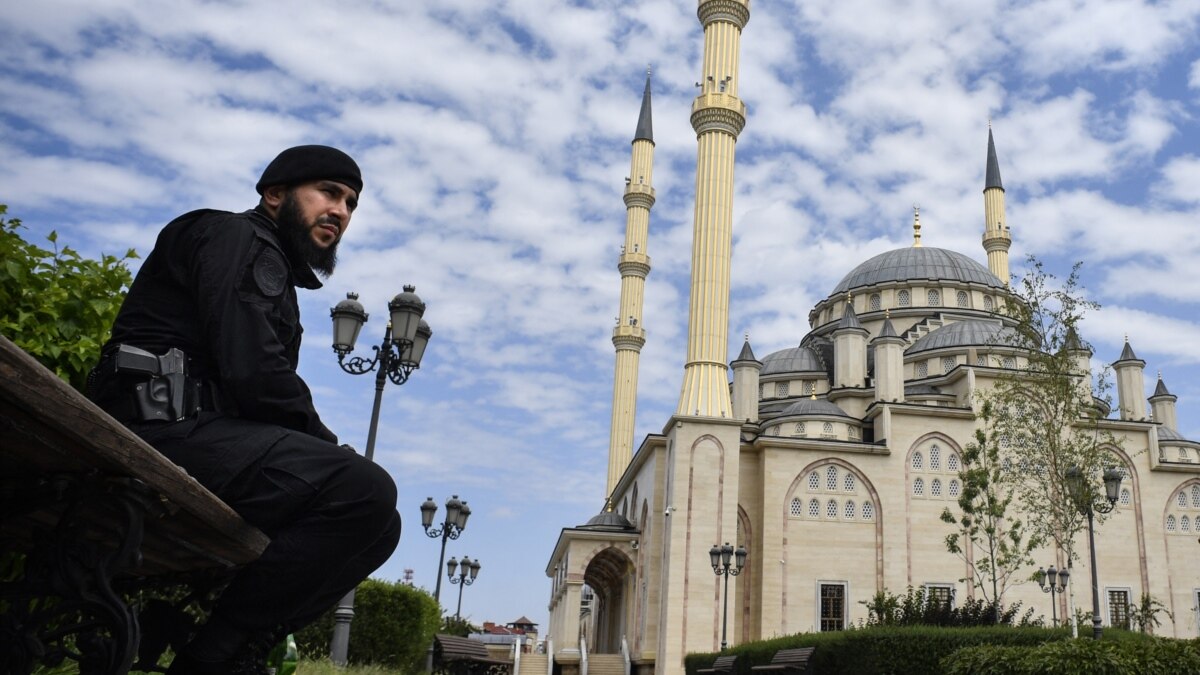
(312, 217)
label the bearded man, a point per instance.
(219, 292)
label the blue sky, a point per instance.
(494, 139)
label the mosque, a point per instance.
(829, 462)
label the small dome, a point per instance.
(609, 520)
(809, 406)
(965, 334)
(914, 263)
(1166, 433)
(793, 360)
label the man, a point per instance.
(219, 289)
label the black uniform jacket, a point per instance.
(221, 287)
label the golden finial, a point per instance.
(1160, 373)
(1127, 338)
(887, 312)
(747, 336)
(814, 395)
(916, 226)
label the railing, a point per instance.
(549, 656)
(582, 656)
(516, 656)
(625, 654)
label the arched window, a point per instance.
(1004, 443)
(848, 483)
(935, 458)
(1196, 496)
(831, 478)
(1126, 498)
(831, 509)
(918, 462)
(814, 508)
(919, 487)
(849, 512)
(796, 509)
(988, 304)
(800, 428)
(952, 462)
(1183, 453)
(981, 359)
(875, 301)
(1009, 362)
(903, 299)
(1006, 465)
(935, 488)
(954, 488)
(827, 428)
(948, 363)
(806, 387)
(868, 511)
(1185, 524)
(814, 481)
(1170, 523)
(923, 369)
(1181, 499)
(935, 298)
(762, 388)
(963, 300)
(781, 389)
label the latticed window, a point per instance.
(918, 461)
(934, 298)
(827, 428)
(948, 363)
(1185, 524)
(849, 511)
(1196, 496)
(796, 508)
(833, 607)
(1009, 362)
(919, 487)
(1006, 465)
(848, 483)
(988, 304)
(814, 481)
(800, 428)
(814, 508)
(963, 300)
(1181, 499)
(852, 432)
(981, 359)
(954, 489)
(935, 458)
(762, 389)
(875, 302)
(806, 387)
(781, 389)
(935, 488)
(1118, 609)
(903, 299)
(831, 478)
(923, 369)
(1004, 443)
(1126, 498)
(952, 462)
(831, 509)
(1170, 523)
(1183, 454)
(868, 511)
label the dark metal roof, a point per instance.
(888, 330)
(645, 129)
(913, 263)
(1127, 354)
(1166, 433)
(993, 167)
(608, 520)
(849, 319)
(792, 360)
(966, 334)
(1160, 389)
(811, 406)
(746, 354)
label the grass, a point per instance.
(326, 667)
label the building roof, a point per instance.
(792, 360)
(608, 520)
(850, 318)
(965, 334)
(993, 166)
(747, 354)
(913, 263)
(813, 406)
(1160, 389)
(645, 127)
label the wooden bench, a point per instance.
(788, 661)
(723, 664)
(96, 513)
(455, 655)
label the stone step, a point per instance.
(606, 664)
(533, 664)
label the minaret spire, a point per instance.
(996, 237)
(718, 116)
(916, 226)
(629, 336)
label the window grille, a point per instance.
(981, 359)
(796, 508)
(868, 511)
(1183, 453)
(939, 595)
(848, 483)
(876, 303)
(762, 389)
(1170, 523)
(903, 299)
(954, 488)
(935, 458)
(831, 478)
(988, 304)
(1185, 524)
(1118, 609)
(963, 300)
(831, 509)
(923, 369)
(827, 428)
(948, 363)
(1126, 498)
(814, 508)
(952, 462)
(935, 488)
(1181, 499)
(918, 462)
(1006, 465)
(833, 607)
(814, 481)
(800, 428)
(919, 487)
(1009, 362)
(1196, 496)
(935, 298)
(806, 387)
(849, 510)
(781, 389)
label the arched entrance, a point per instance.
(610, 575)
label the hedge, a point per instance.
(1153, 656)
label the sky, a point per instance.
(494, 139)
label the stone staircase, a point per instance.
(533, 664)
(604, 664)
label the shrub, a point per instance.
(1078, 657)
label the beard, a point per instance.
(296, 236)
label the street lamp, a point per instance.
(1081, 494)
(720, 556)
(456, 521)
(404, 343)
(1052, 576)
(466, 577)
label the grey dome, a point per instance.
(1166, 433)
(915, 263)
(965, 334)
(792, 360)
(609, 520)
(810, 406)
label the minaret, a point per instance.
(889, 363)
(849, 350)
(1131, 390)
(718, 116)
(746, 370)
(1162, 403)
(634, 264)
(996, 238)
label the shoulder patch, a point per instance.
(270, 272)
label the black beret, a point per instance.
(305, 163)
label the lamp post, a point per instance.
(466, 577)
(404, 342)
(1081, 494)
(1057, 584)
(457, 513)
(720, 557)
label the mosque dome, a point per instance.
(809, 406)
(917, 263)
(965, 334)
(792, 360)
(609, 520)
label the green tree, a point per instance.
(56, 304)
(459, 627)
(994, 542)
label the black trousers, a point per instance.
(330, 513)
